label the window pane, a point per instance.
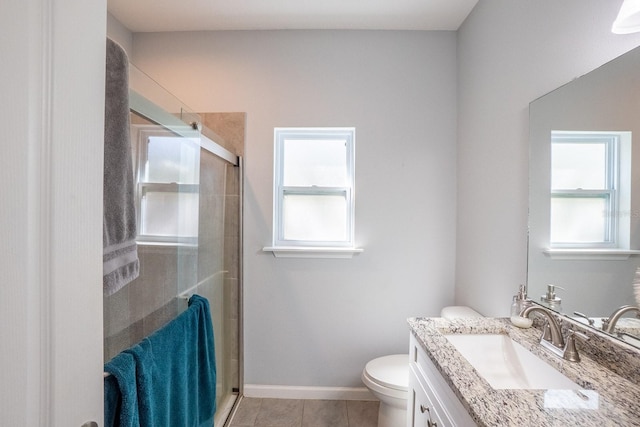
(170, 214)
(315, 218)
(315, 162)
(172, 159)
(578, 220)
(577, 165)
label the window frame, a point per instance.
(611, 192)
(280, 190)
(144, 134)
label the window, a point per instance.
(590, 190)
(168, 190)
(313, 188)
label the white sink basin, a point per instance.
(505, 364)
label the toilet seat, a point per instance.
(389, 371)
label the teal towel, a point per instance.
(120, 392)
(175, 372)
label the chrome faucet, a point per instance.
(551, 327)
(609, 324)
(552, 338)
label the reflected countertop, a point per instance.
(606, 398)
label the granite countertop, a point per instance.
(608, 399)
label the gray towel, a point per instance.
(120, 256)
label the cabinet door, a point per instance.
(448, 407)
(422, 412)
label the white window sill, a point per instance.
(590, 254)
(312, 252)
(166, 247)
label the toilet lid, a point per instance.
(390, 371)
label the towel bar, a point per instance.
(189, 292)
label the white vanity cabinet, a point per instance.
(431, 402)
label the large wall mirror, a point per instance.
(584, 196)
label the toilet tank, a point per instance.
(457, 311)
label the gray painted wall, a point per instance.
(317, 322)
(510, 53)
(119, 34)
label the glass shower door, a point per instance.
(189, 240)
(219, 270)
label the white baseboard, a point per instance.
(301, 392)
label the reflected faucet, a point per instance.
(584, 316)
(556, 338)
(609, 324)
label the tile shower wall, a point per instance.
(148, 302)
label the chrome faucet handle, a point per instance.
(546, 331)
(590, 320)
(570, 350)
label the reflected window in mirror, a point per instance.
(590, 189)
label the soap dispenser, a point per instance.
(519, 303)
(551, 300)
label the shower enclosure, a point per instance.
(189, 192)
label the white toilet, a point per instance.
(387, 378)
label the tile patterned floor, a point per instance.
(254, 412)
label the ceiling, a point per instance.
(209, 15)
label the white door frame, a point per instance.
(52, 112)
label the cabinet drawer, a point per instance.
(449, 408)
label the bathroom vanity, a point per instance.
(446, 390)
